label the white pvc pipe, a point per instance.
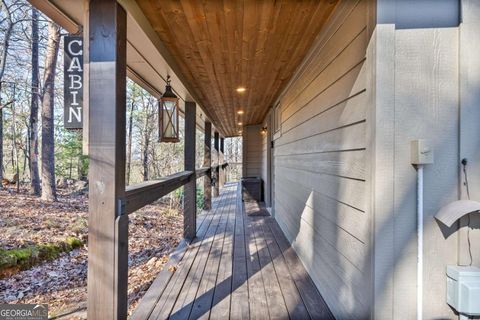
(420, 242)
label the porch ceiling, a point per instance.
(222, 45)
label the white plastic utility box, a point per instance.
(463, 289)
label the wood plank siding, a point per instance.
(252, 151)
(320, 163)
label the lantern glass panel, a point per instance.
(169, 119)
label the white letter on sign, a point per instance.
(76, 113)
(75, 81)
(75, 53)
(74, 98)
(75, 64)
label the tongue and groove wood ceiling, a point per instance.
(221, 45)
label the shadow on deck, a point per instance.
(238, 267)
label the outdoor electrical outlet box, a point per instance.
(463, 289)
(421, 152)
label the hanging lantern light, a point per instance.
(168, 115)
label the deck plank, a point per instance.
(156, 289)
(223, 286)
(296, 308)
(238, 267)
(186, 298)
(275, 301)
(239, 309)
(256, 288)
(205, 294)
(167, 301)
(315, 304)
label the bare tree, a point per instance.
(3, 62)
(129, 141)
(33, 148)
(146, 141)
(48, 94)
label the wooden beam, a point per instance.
(108, 228)
(216, 143)
(207, 162)
(190, 188)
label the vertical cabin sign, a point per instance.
(73, 82)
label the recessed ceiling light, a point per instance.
(240, 111)
(240, 123)
(241, 89)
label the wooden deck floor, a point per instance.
(239, 267)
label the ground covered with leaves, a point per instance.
(26, 221)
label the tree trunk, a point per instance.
(146, 143)
(33, 146)
(129, 145)
(25, 158)
(1, 142)
(3, 58)
(145, 157)
(49, 192)
(15, 158)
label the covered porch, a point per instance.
(330, 98)
(229, 265)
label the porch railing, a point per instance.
(142, 194)
(110, 201)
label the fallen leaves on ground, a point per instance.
(61, 283)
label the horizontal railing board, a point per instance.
(138, 196)
(142, 194)
(202, 172)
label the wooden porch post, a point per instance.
(190, 188)
(216, 142)
(207, 162)
(222, 160)
(108, 225)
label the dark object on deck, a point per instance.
(252, 188)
